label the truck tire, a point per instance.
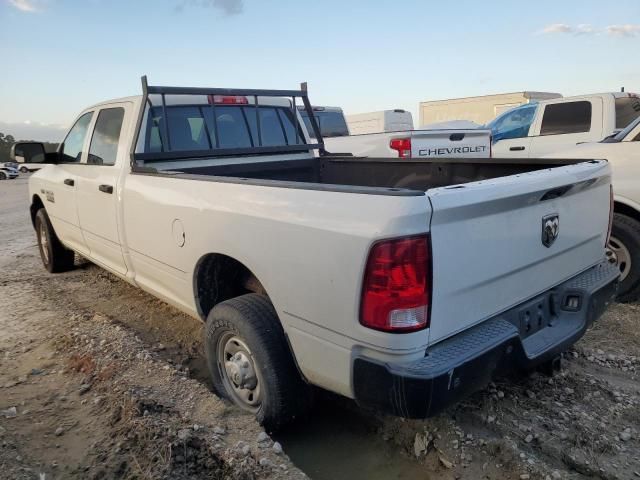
(55, 256)
(250, 362)
(625, 242)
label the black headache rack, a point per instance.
(138, 159)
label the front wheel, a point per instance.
(55, 256)
(625, 244)
(250, 362)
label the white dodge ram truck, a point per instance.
(404, 284)
(424, 143)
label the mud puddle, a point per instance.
(338, 443)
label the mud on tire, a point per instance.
(55, 256)
(251, 321)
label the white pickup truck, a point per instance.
(537, 129)
(404, 284)
(425, 143)
(622, 150)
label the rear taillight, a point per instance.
(611, 206)
(227, 99)
(402, 146)
(397, 285)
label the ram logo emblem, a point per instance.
(550, 229)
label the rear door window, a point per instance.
(564, 118)
(106, 135)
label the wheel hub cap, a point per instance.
(238, 368)
(622, 256)
(240, 371)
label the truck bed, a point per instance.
(391, 176)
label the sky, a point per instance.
(362, 55)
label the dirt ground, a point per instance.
(99, 380)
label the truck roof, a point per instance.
(132, 98)
(604, 94)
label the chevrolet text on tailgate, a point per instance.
(403, 283)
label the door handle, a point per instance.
(69, 181)
(516, 149)
(106, 188)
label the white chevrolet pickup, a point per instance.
(404, 284)
(401, 143)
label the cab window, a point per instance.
(71, 150)
(106, 134)
(564, 118)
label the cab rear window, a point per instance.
(200, 127)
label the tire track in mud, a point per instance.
(140, 420)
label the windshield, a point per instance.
(620, 136)
(627, 110)
(514, 123)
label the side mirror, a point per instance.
(31, 152)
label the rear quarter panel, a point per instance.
(307, 248)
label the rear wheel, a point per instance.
(3, 176)
(24, 170)
(55, 256)
(250, 362)
(625, 244)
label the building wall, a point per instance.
(476, 109)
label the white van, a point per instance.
(378, 122)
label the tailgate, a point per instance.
(487, 240)
(451, 143)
